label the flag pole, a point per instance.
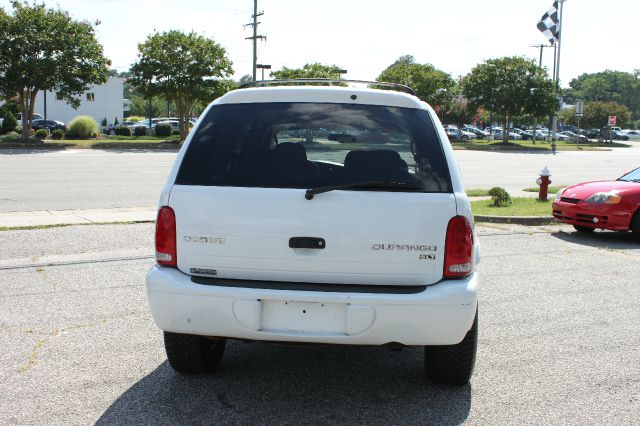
(557, 78)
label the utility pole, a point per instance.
(541, 46)
(255, 36)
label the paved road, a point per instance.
(90, 179)
(559, 340)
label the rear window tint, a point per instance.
(306, 145)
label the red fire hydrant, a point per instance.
(544, 183)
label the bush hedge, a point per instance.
(500, 197)
(123, 131)
(164, 130)
(82, 127)
(140, 131)
(57, 134)
(42, 134)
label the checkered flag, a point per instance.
(548, 24)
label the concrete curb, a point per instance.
(77, 217)
(516, 220)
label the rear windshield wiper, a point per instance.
(368, 184)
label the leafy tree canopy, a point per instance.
(596, 114)
(314, 70)
(511, 87)
(180, 67)
(431, 84)
(617, 86)
(44, 49)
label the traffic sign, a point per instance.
(579, 108)
(612, 120)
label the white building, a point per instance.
(99, 102)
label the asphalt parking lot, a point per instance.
(559, 341)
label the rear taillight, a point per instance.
(166, 237)
(458, 248)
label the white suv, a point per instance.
(271, 230)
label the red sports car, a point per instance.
(613, 205)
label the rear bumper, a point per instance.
(601, 216)
(440, 315)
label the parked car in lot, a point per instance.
(261, 238)
(480, 134)
(633, 135)
(612, 205)
(573, 137)
(497, 134)
(48, 124)
(615, 135)
(540, 135)
(19, 118)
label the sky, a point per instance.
(364, 37)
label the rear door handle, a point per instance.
(307, 242)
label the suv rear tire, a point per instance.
(190, 354)
(453, 364)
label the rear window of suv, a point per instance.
(307, 145)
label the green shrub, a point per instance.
(42, 134)
(164, 130)
(18, 130)
(9, 123)
(116, 122)
(82, 127)
(123, 131)
(104, 122)
(500, 197)
(140, 131)
(57, 134)
(176, 132)
(135, 118)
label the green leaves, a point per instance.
(511, 87)
(431, 84)
(44, 48)
(180, 67)
(315, 70)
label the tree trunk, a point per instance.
(181, 113)
(505, 131)
(27, 100)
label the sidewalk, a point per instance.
(76, 217)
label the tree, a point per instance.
(432, 85)
(596, 114)
(510, 87)
(616, 86)
(314, 70)
(183, 68)
(44, 49)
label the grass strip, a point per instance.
(519, 207)
(551, 190)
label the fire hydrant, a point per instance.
(544, 183)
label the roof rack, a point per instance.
(259, 83)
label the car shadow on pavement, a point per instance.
(600, 239)
(260, 383)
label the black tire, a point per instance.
(453, 364)
(635, 226)
(190, 354)
(585, 229)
